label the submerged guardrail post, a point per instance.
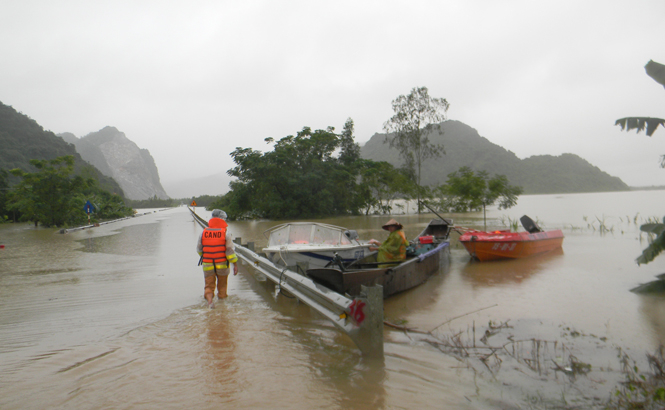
(369, 338)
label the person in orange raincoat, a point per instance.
(392, 249)
(215, 246)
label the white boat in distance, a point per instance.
(312, 242)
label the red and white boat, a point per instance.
(504, 244)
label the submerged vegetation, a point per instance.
(562, 372)
(54, 197)
(641, 390)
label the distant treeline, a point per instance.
(154, 202)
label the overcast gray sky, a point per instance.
(192, 80)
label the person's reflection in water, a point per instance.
(219, 358)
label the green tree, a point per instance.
(50, 196)
(300, 178)
(312, 174)
(379, 184)
(53, 196)
(107, 205)
(350, 150)
(350, 165)
(467, 191)
(416, 115)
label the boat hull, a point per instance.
(401, 277)
(487, 246)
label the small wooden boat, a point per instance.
(503, 244)
(425, 256)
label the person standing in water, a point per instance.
(393, 249)
(215, 247)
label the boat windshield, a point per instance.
(329, 236)
(302, 234)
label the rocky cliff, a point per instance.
(110, 151)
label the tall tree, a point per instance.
(349, 149)
(416, 115)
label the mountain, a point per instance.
(567, 173)
(22, 139)
(217, 184)
(110, 151)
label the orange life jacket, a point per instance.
(213, 240)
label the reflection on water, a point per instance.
(508, 271)
(139, 240)
(653, 309)
(114, 317)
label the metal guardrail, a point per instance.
(80, 228)
(361, 318)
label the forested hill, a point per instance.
(22, 139)
(567, 173)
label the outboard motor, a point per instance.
(351, 234)
(530, 225)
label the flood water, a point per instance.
(114, 317)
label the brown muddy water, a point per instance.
(114, 317)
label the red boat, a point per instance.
(503, 244)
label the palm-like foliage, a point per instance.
(657, 72)
(640, 124)
(656, 246)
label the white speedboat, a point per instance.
(313, 243)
